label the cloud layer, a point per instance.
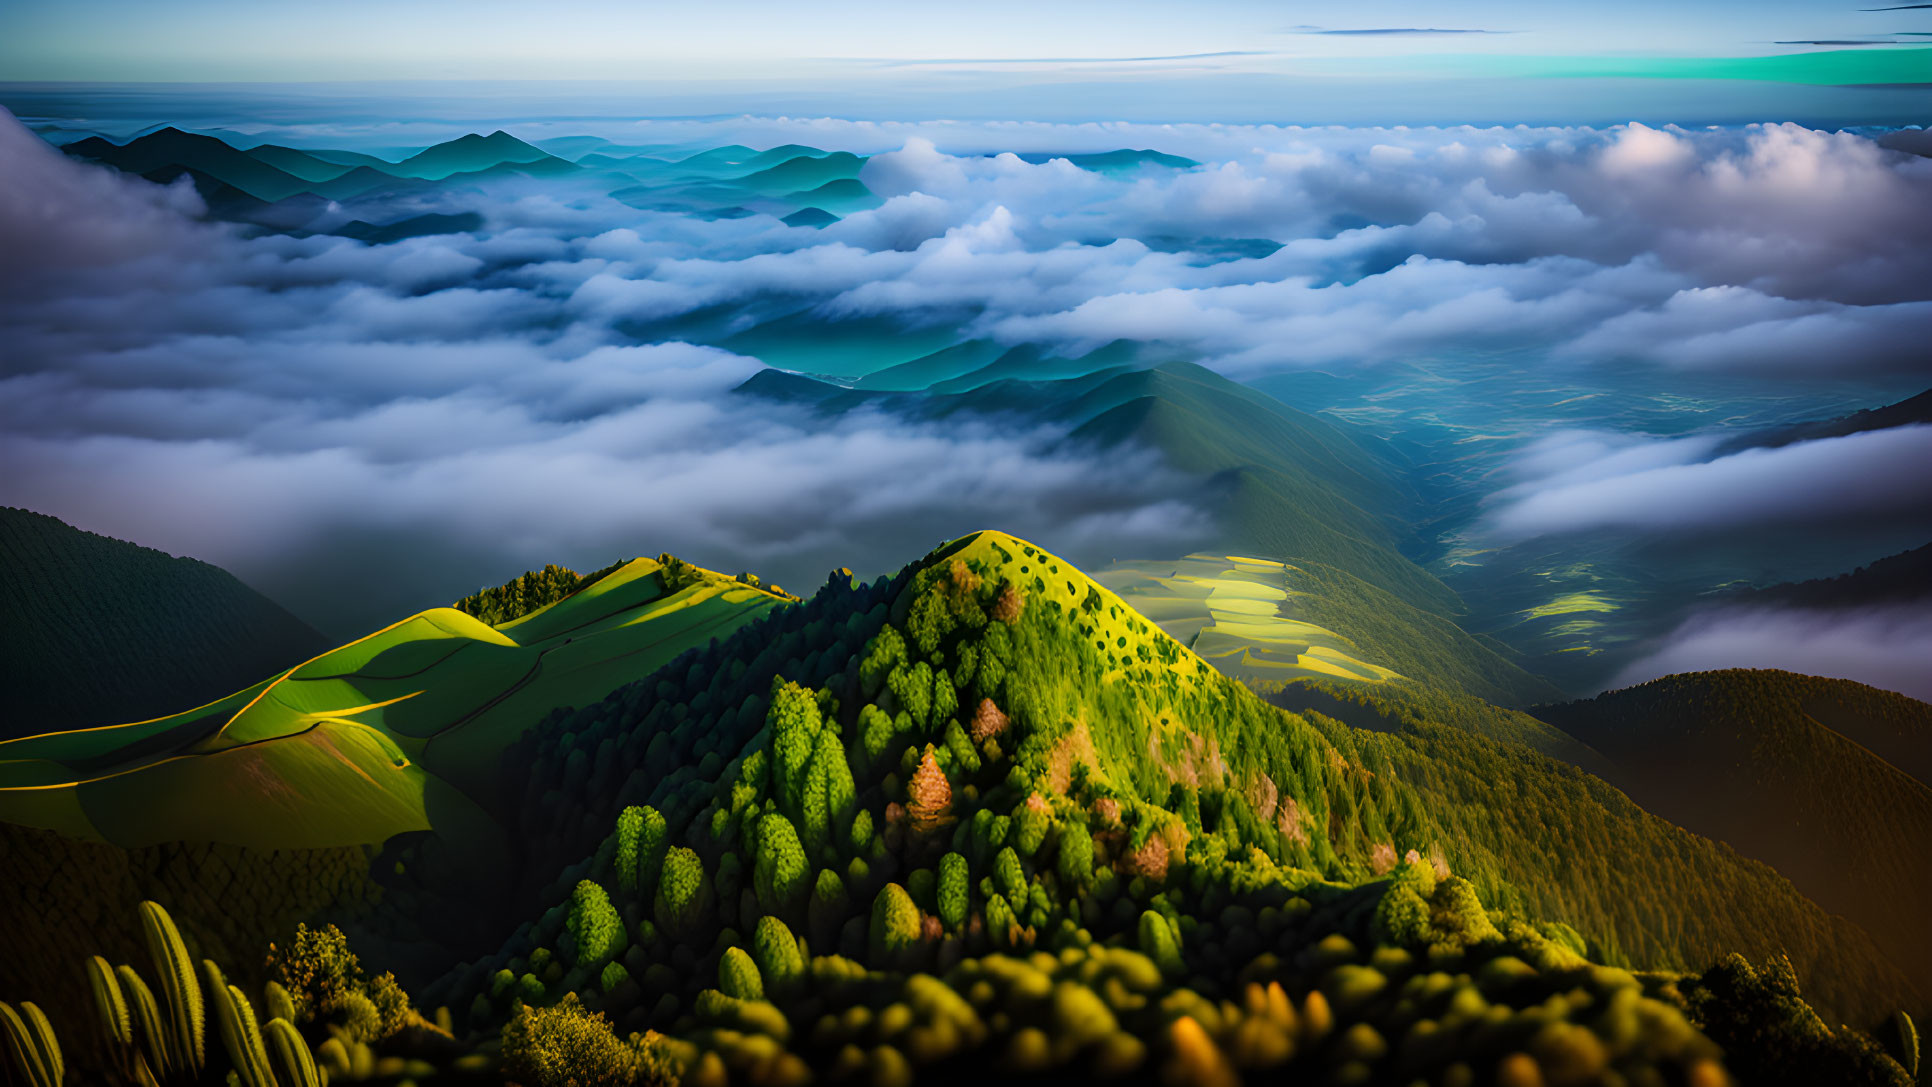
(308, 411)
(1884, 647)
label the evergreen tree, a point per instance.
(781, 869)
(738, 976)
(594, 925)
(954, 894)
(683, 895)
(776, 952)
(894, 932)
(630, 832)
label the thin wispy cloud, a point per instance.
(1397, 31)
(927, 61)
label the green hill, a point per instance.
(983, 815)
(367, 740)
(1791, 770)
(96, 630)
(468, 154)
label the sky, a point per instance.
(218, 40)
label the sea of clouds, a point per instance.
(363, 430)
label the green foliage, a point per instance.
(738, 976)
(894, 932)
(318, 971)
(180, 991)
(1159, 942)
(1799, 772)
(1075, 859)
(526, 593)
(1758, 1015)
(831, 904)
(954, 895)
(32, 1050)
(794, 721)
(886, 651)
(178, 632)
(776, 952)
(683, 895)
(1031, 821)
(1009, 876)
(653, 841)
(630, 836)
(613, 975)
(567, 1046)
(782, 870)
(594, 927)
(831, 771)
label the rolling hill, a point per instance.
(96, 630)
(361, 743)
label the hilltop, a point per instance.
(96, 630)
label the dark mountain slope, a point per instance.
(163, 155)
(1917, 409)
(1791, 770)
(1896, 579)
(95, 630)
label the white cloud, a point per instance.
(1665, 486)
(1886, 647)
(284, 405)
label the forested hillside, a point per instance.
(1791, 770)
(95, 630)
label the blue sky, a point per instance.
(233, 40)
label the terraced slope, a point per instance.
(396, 731)
(1236, 612)
(95, 630)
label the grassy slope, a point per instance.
(1783, 768)
(361, 743)
(95, 630)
